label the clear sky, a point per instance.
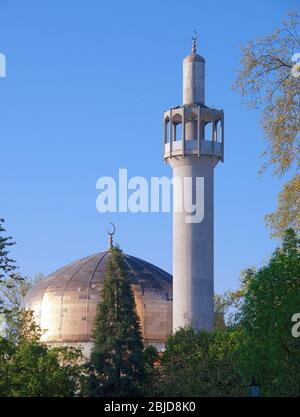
(87, 82)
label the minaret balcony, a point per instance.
(193, 130)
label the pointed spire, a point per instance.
(110, 236)
(194, 38)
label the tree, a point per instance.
(32, 369)
(7, 264)
(117, 355)
(267, 78)
(288, 209)
(151, 385)
(15, 290)
(228, 305)
(12, 295)
(199, 363)
(267, 347)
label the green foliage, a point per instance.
(7, 264)
(151, 383)
(199, 363)
(117, 356)
(266, 81)
(151, 356)
(31, 369)
(229, 304)
(267, 348)
(12, 295)
(288, 209)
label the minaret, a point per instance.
(193, 145)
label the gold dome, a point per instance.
(65, 303)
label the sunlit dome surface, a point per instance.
(64, 303)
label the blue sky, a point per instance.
(87, 82)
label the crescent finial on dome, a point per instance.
(110, 235)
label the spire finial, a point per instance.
(194, 38)
(110, 235)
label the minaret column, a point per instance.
(193, 285)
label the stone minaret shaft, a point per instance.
(193, 145)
